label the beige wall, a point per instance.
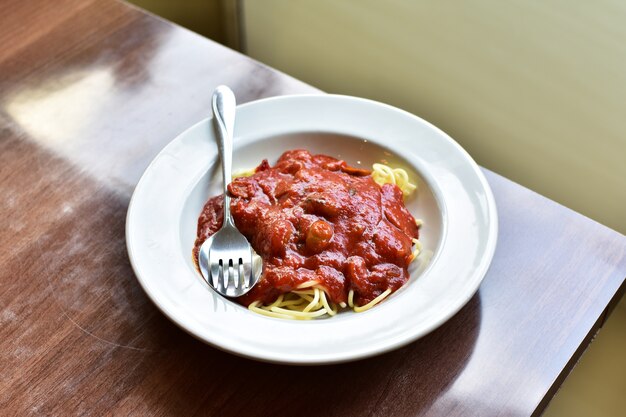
(201, 16)
(534, 90)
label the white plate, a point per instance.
(454, 200)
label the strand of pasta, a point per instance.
(308, 307)
(308, 301)
(244, 173)
(417, 248)
(384, 174)
(372, 303)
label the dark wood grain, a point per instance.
(90, 91)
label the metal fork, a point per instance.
(227, 260)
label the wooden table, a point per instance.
(90, 91)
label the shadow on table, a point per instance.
(403, 382)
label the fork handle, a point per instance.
(224, 104)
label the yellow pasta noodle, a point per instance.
(384, 174)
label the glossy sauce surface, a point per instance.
(314, 218)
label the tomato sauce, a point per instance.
(313, 217)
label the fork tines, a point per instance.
(229, 273)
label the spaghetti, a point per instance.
(309, 300)
(302, 215)
(384, 174)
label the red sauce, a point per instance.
(313, 217)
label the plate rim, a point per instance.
(482, 269)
